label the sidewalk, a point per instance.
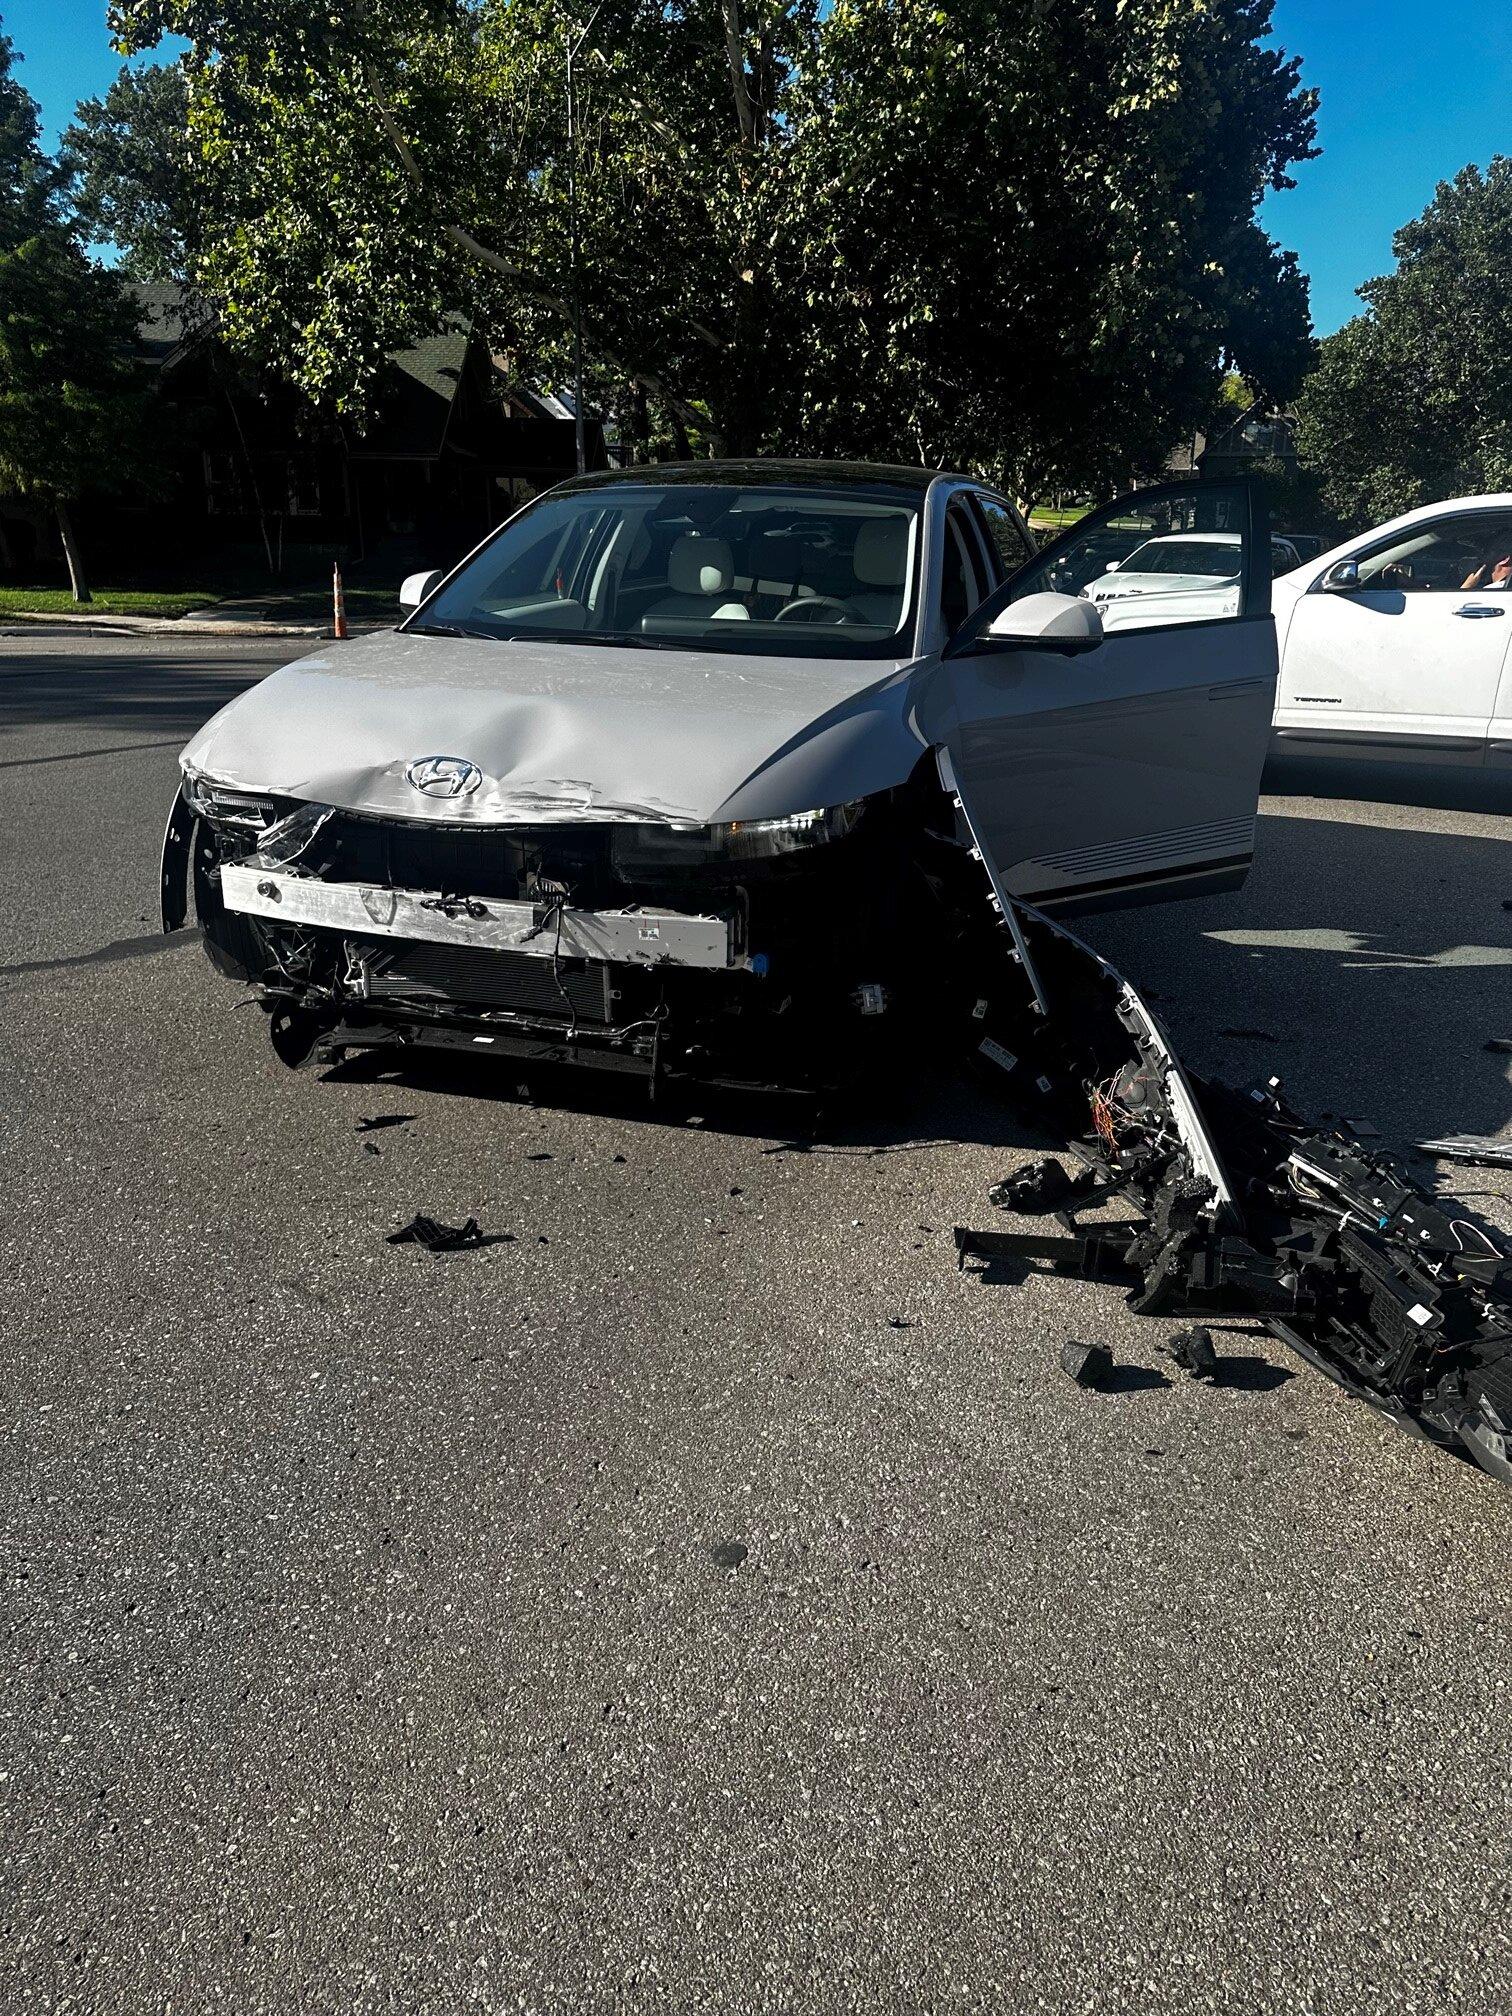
(198, 623)
(302, 613)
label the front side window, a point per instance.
(1176, 556)
(763, 569)
(1456, 553)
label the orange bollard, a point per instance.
(341, 622)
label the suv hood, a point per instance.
(566, 732)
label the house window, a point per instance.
(302, 486)
(225, 488)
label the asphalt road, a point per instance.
(368, 1638)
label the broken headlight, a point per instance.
(646, 848)
(225, 807)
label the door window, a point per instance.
(1179, 554)
(1474, 552)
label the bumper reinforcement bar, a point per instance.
(620, 937)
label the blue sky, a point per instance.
(1411, 92)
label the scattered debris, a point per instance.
(1038, 1188)
(371, 1148)
(728, 1553)
(370, 1123)
(438, 1238)
(1245, 1206)
(1193, 1351)
(1494, 1152)
(1087, 1364)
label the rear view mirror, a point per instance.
(417, 586)
(1064, 623)
(1343, 579)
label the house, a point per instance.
(253, 475)
(1236, 440)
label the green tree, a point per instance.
(70, 403)
(993, 231)
(131, 172)
(1411, 401)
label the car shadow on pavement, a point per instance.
(921, 1105)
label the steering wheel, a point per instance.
(807, 603)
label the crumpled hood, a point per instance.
(566, 731)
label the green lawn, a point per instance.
(1055, 521)
(304, 604)
(107, 602)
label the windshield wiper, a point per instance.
(453, 630)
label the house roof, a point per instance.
(166, 319)
(415, 395)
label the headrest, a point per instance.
(882, 552)
(699, 566)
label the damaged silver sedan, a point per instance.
(722, 772)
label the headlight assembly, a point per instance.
(644, 849)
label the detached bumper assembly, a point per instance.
(1239, 1205)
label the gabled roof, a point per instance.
(414, 399)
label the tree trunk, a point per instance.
(71, 553)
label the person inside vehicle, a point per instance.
(1493, 572)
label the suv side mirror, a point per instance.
(1063, 623)
(1343, 579)
(417, 586)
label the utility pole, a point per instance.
(574, 43)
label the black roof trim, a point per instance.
(764, 469)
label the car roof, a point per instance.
(760, 470)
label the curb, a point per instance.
(165, 626)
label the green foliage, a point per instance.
(999, 232)
(131, 171)
(70, 406)
(1412, 400)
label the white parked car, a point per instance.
(683, 770)
(1396, 647)
(1178, 575)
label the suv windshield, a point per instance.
(801, 572)
(1217, 558)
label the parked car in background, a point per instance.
(708, 771)
(1177, 575)
(1396, 646)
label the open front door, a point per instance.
(1129, 770)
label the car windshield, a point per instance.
(1216, 558)
(765, 569)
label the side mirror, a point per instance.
(417, 586)
(1343, 579)
(1063, 623)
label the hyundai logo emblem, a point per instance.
(443, 776)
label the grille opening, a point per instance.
(483, 978)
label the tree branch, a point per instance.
(735, 50)
(496, 263)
